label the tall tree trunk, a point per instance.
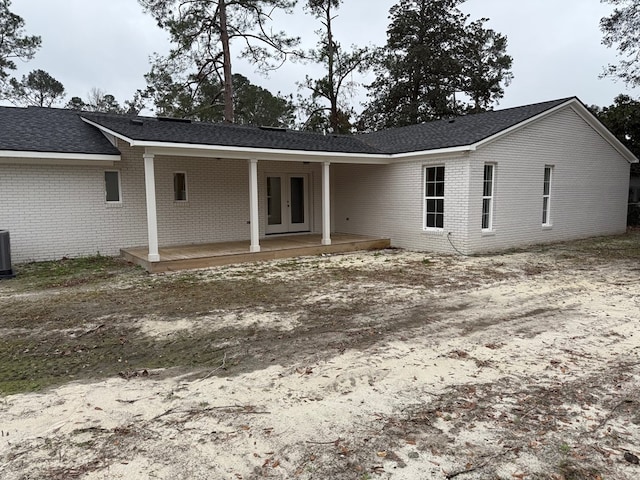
(226, 67)
(333, 99)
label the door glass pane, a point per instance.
(297, 199)
(274, 201)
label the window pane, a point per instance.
(547, 180)
(274, 201)
(431, 174)
(439, 221)
(297, 199)
(112, 186)
(431, 220)
(440, 189)
(439, 174)
(431, 190)
(486, 213)
(545, 210)
(179, 187)
(488, 181)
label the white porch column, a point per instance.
(152, 218)
(253, 206)
(326, 205)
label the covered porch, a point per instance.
(183, 257)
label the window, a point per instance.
(112, 186)
(434, 197)
(487, 198)
(180, 186)
(546, 196)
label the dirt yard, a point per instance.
(377, 365)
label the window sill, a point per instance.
(547, 227)
(181, 203)
(113, 204)
(488, 233)
(433, 231)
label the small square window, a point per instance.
(180, 186)
(112, 186)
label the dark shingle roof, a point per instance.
(454, 132)
(53, 130)
(459, 131)
(201, 133)
(64, 131)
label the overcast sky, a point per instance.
(106, 44)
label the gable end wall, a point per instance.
(588, 192)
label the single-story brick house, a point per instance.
(78, 183)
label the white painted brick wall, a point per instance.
(64, 212)
(588, 193)
(56, 211)
(588, 197)
(388, 201)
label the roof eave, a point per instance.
(222, 151)
(243, 153)
(11, 156)
(431, 154)
(106, 130)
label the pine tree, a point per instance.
(435, 64)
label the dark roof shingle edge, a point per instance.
(458, 131)
(152, 129)
(65, 131)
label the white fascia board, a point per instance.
(443, 153)
(280, 155)
(244, 153)
(108, 131)
(296, 155)
(55, 158)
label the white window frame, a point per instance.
(426, 198)
(113, 202)
(546, 196)
(186, 188)
(488, 198)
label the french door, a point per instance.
(287, 203)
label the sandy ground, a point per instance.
(533, 374)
